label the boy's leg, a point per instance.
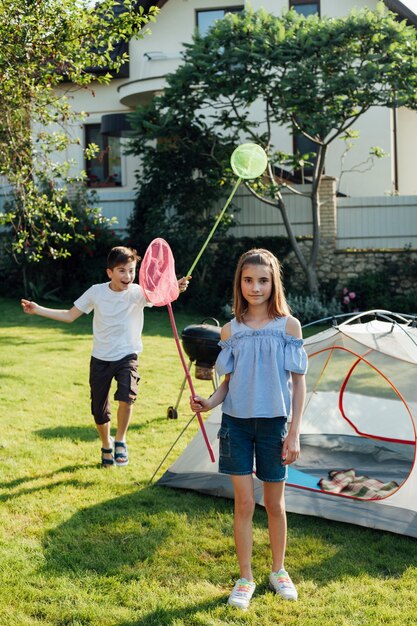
(106, 441)
(124, 414)
(101, 375)
(127, 388)
(242, 524)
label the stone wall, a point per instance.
(337, 267)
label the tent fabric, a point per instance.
(361, 413)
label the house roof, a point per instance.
(147, 4)
(406, 9)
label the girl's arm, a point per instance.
(60, 315)
(199, 404)
(291, 447)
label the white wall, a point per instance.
(175, 25)
(375, 129)
(371, 179)
(407, 143)
(97, 101)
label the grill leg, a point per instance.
(172, 411)
(215, 380)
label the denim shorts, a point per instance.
(260, 438)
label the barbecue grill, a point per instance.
(200, 343)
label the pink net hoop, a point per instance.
(157, 274)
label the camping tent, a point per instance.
(360, 415)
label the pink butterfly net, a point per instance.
(157, 274)
(158, 280)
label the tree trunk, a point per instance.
(312, 280)
(25, 281)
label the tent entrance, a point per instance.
(355, 419)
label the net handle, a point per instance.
(189, 380)
(190, 271)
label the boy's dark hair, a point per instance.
(120, 255)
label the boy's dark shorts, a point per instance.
(125, 372)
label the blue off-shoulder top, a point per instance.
(260, 363)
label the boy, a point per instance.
(117, 328)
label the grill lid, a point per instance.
(200, 342)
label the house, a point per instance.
(158, 54)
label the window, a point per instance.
(206, 17)
(105, 170)
(305, 6)
(304, 145)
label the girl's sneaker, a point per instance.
(281, 583)
(242, 593)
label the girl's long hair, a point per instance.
(277, 304)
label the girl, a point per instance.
(263, 362)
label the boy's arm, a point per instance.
(183, 283)
(60, 315)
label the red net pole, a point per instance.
(190, 382)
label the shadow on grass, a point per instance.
(78, 433)
(74, 433)
(170, 616)
(113, 538)
(24, 480)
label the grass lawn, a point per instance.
(82, 546)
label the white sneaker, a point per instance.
(242, 593)
(281, 583)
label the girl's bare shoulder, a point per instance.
(293, 327)
(226, 331)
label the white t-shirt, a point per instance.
(118, 319)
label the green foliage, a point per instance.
(393, 287)
(89, 238)
(179, 182)
(313, 75)
(313, 308)
(44, 48)
(378, 290)
(85, 263)
(211, 289)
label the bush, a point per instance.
(375, 291)
(312, 308)
(64, 278)
(211, 288)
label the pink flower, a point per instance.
(346, 300)
(352, 295)
(345, 290)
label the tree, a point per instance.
(45, 47)
(179, 181)
(255, 72)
